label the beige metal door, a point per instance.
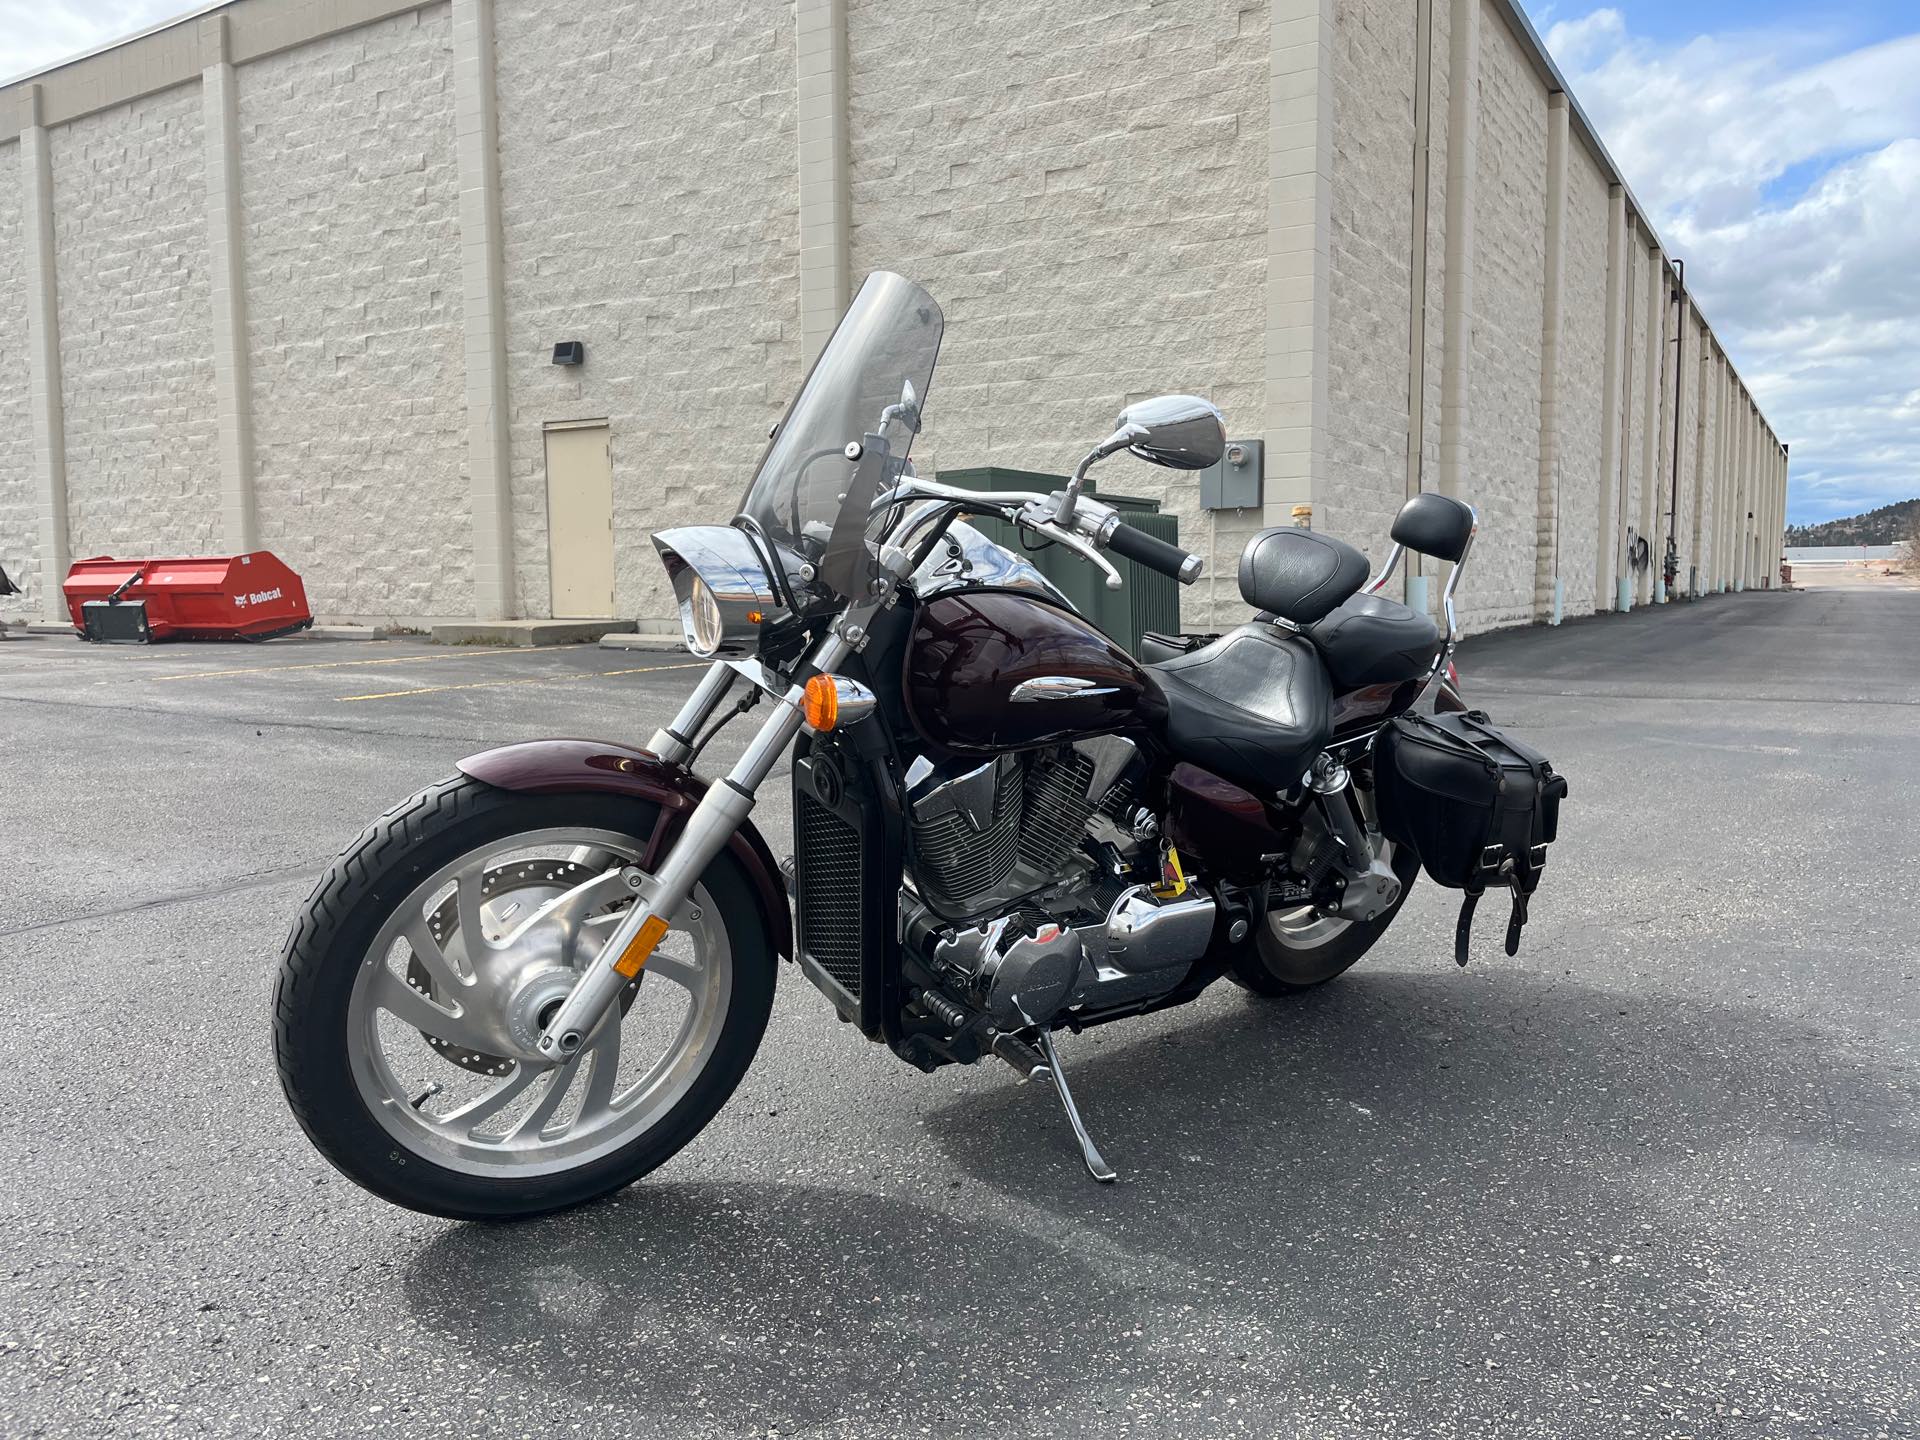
(580, 519)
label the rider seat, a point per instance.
(1254, 706)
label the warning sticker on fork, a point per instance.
(640, 947)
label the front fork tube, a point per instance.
(673, 742)
(705, 834)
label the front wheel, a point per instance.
(430, 956)
(1297, 949)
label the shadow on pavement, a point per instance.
(1387, 1189)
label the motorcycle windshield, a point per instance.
(845, 439)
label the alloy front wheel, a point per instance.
(415, 986)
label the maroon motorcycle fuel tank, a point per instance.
(994, 670)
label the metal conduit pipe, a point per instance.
(1671, 562)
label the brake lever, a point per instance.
(1081, 547)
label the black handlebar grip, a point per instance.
(1155, 554)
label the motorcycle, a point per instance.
(1006, 826)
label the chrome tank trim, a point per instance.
(965, 558)
(1058, 687)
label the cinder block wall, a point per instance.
(1509, 229)
(19, 524)
(1583, 355)
(1227, 198)
(136, 355)
(1082, 191)
(1372, 273)
(352, 258)
(1635, 421)
(649, 208)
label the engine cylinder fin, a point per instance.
(1057, 810)
(954, 861)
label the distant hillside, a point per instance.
(1888, 525)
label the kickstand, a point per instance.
(1096, 1167)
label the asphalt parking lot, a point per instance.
(1654, 1177)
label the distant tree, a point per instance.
(1888, 525)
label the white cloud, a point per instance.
(35, 33)
(1815, 294)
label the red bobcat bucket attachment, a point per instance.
(207, 597)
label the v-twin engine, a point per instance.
(1029, 889)
(987, 834)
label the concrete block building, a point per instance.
(290, 274)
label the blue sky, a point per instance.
(1778, 147)
(1776, 141)
(1862, 22)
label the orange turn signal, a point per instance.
(834, 700)
(822, 703)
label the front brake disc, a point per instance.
(545, 879)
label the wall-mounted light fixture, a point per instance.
(570, 352)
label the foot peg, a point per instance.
(1026, 1062)
(1096, 1166)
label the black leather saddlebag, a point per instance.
(1477, 806)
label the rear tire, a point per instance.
(336, 943)
(1280, 959)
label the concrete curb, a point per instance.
(349, 632)
(633, 640)
(521, 632)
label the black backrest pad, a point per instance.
(1435, 525)
(1299, 575)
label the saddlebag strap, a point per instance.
(1517, 920)
(1463, 928)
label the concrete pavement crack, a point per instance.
(256, 722)
(257, 880)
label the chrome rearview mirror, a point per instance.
(907, 411)
(1182, 432)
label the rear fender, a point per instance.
(559, 767)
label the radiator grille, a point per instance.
(956, 864)
(829, 870)
(1057, 809)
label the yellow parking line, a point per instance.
(526, 680)
(340, 664)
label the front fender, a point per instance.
(557, 767)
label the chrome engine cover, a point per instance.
(1017, 978)
(986, 835)
(1021, 972)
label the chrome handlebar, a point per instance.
(1089, 526)
(912, 487)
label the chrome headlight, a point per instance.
(704, 627)
(721, 585)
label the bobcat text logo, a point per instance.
(256, 598)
